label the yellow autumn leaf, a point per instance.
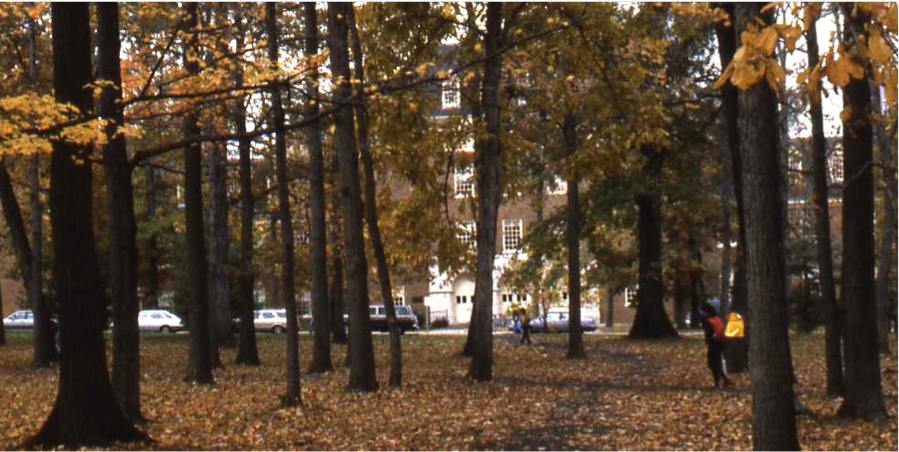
(728, 72)
(879, 50)
(891, 87)
(838, 72)
(767, 41)
(747, 74)
(855, 70)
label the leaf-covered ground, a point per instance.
(626, 395)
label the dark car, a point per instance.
(405, 318)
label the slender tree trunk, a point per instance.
(85, 412)
(321, 312)
(489, 194)
(199, 367)
(122, 224)
(293, 396)
(573, 237)
(610, 307)
(726, 192)
(681, 293)
(737, 356)
(371, 214)
(651, 320)
(273, 297)
(832, 347)
(770, 367)
(362, 368)
(247, 351)
(151, 251)
(888, 231)
(336, 288)
(697, 287)
(864, 396)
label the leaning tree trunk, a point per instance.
(487, 166)
(42, 336)
(199, 367)
(573, 239)
(361, 352)
(247, 351)
(321, 312)
(832, 348)
(770, 367)
(737, 354)
(863, 397)
(293, 396)
(122, 224)
(888, 231)
(651, 320)
(371, 214)
(85, 412)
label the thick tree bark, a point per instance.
(293, 396)
(151, 301)
(220, 328)
(888, 230)
(247, 351)
(361, 352)
(85, 412)
(122, 223)
(199, 367)
(42, 336)
(321, 312)
(371, 215)
(863, 397)
(770, 366)
(489, 195)
(573, 238)
(651, 320)
(832, 347)
(737, 357)
(336, 285)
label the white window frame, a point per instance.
(468, 234)
(450, 97)
(464, 182)
(630, 295)
(509, 227)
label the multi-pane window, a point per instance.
(467, 234)
(399, 300)
(507, 298)
(521, 298)
(511, 235)
(835, 165)
(464, 182)
(630, 295)
(461, 299)
(450, 95)
(557, 186)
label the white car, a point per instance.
(274, 320)
(19, 320)
(159, 320)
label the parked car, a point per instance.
(19, 320)
(406, 320)
(274, 320)
(557, 319)
(159, 320)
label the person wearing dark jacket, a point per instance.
(525, 329)
(714, 338)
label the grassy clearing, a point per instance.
(626, 395)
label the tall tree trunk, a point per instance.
(770, 367)
(122, 224)
(726, 192)
(651, 320)
(489, 194)
(371, 214)
(888, 231)
(573, 237)
(151, 251)
(681, 293)
(863, 396)
(42, 336)
(273, 283)
(321, 312)
(832, 347)
(220, 328)
(697, 287)
(293, 396)
(362, 368)
(85, 411)
(737, 357)
(247, 351)
(199, 367)
(336, 288)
